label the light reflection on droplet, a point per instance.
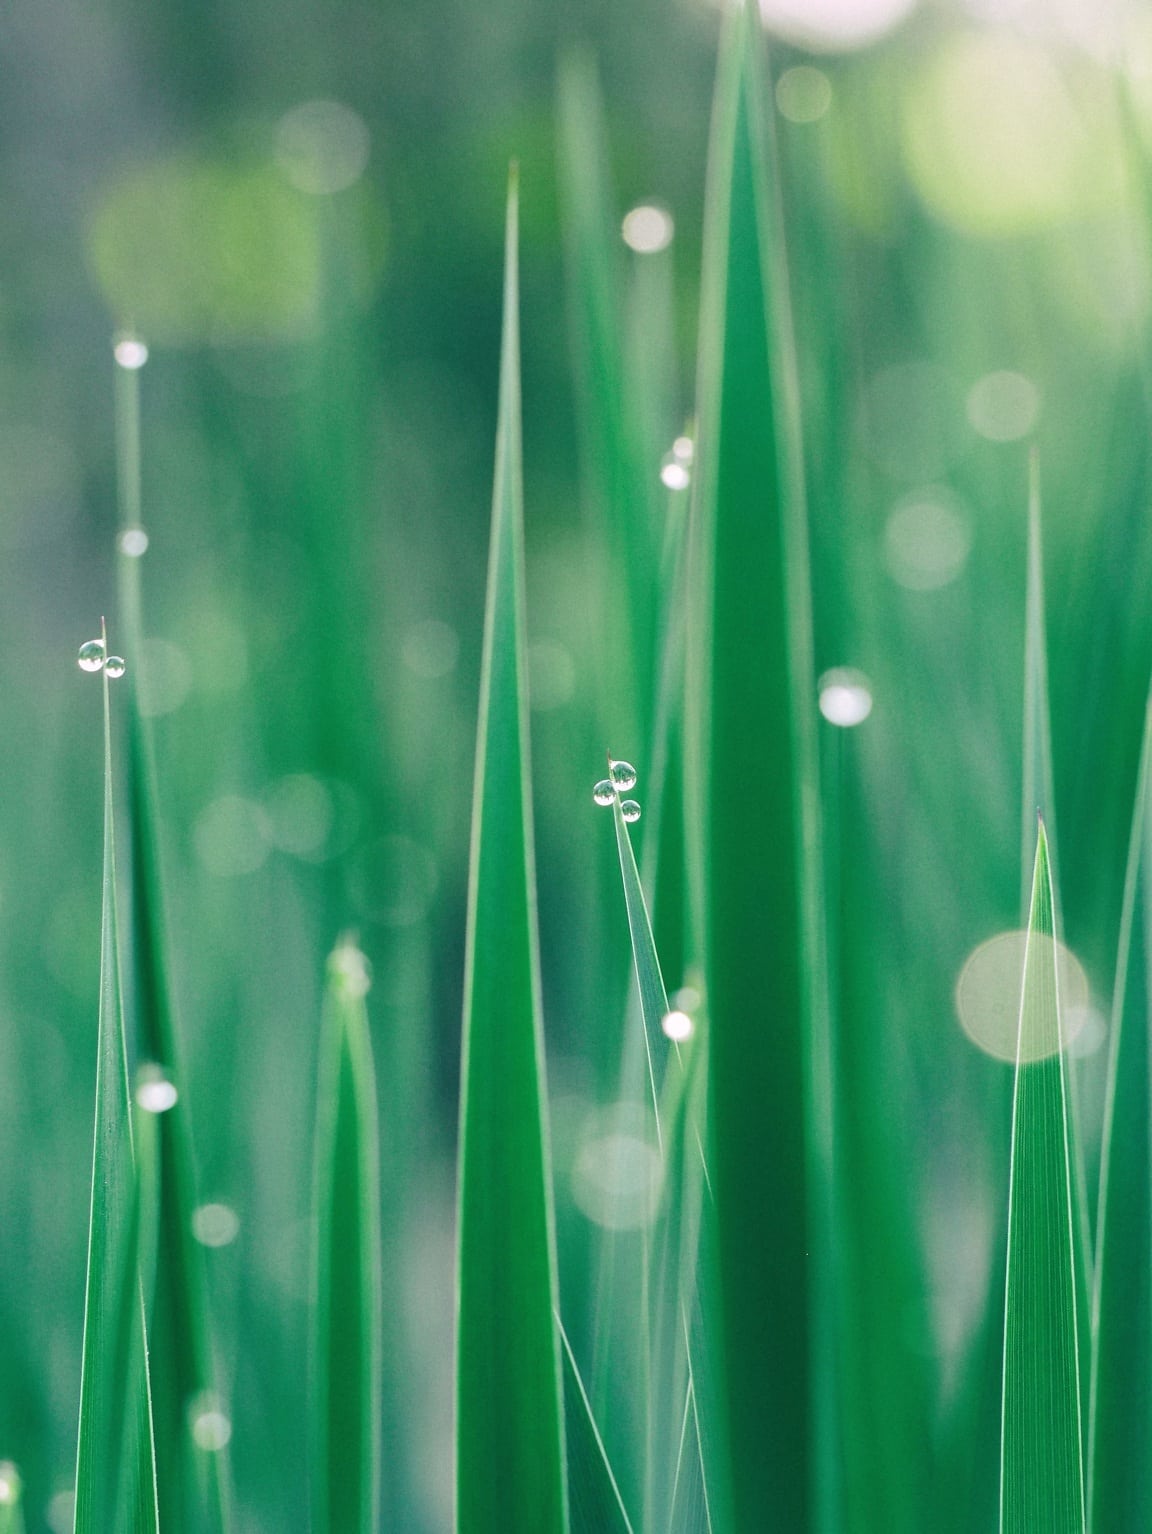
(154, 1092)
(988, 994)
(845, 696)
(91, 656)
(133, 541)
(350, 970)
(648, 229)
(1003, 406)
(803, 94)
(927, 540)
(215, 1225)
(130, 352)
(674, 474)
(677, 1025)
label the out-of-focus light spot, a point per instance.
(298, 816)
(617, 1174)
(154, 1092)
(130, 352)
(351, 970)
(911, 421)
(322, 146)
(674, 474)
(927, 540)
(231, 837)
(677, 1025)
(845, 696)
(215, 1225)
(9, 1482)
(803, 94)
(164, 678)
(62, 1512)
(211, 1427)
(1003, 406)
(551, 674)
(995, 144)
(988, 995)
(684, 450)
(394, 881)
(648, 229)
(834, 24)
(1086, 1028)
(133, 541)
(430, 649)
(686, 999)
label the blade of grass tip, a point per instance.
(115, 1464)
(192, 1479)
(11, 1499)
(1040, 797)
(596, 1504)
(346, 1340)
(1041, 1462)
(510, 1469)
(1120, 1400)
(753, 808)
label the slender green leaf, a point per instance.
(509, 1415)
(1041, 1466)
(11, 1499)
(346, 1356)
(115, 1457)
(1120, 1402)
(192, 1481)
(753, 806)
(597, 1506)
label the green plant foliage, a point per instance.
(509, 1410)
(596, 1503)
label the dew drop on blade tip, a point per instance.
(604, 793)
(630, 810)
(91, 656)
(115, 666)
(623, 775)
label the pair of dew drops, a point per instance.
(621, 777)
(93, 657)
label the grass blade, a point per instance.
(597, 1506)
(1041, 1467)
(11, 1499)
(115, 1457)
(753, 797)
(509, 1416)
(346, 1355)
(192, 1482)
(1120, 1402)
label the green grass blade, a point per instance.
(1120, 1402)
(597, 1506)
(346, 1353)
(11, 1499)
(115, 1457)
(192, 1482)
(1041, 1467)
(509, 1415)
(753, 801)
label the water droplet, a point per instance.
(91, 656)
(630, 810)
(350, 970)
(623, 775)
(154, 1092)
(845, 696)
(677, 1025)
(674, 474)
(115, 666)
(133, 541)
(604, 793)
(130, 352)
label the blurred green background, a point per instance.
(299, 208)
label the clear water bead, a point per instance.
(604, 793)
(115, 665)
(91, 656)
(630, 810)
(623, 776)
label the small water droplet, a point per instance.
(91, 656)
(133, 541)
(604, 793)
(674, 475)
(130, 352)
(623, 775)
(154, 1092)
(115, 666)
(677, 1026)
(630, 810)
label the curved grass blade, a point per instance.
(753, 798)
(346, 1355)
(192, 1482)
(115, 1456)
(1120, 1401)
(11, 1499)
(596, 1504)
(1041, 1462)
(509, 1414)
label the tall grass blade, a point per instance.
(597, 1506)
(346, 1351)
(192, 1482)
(11, 1499)
(753, 798)
(509, 1413)
(115, 1457)
(1041, 1466)
(1120, 1402)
